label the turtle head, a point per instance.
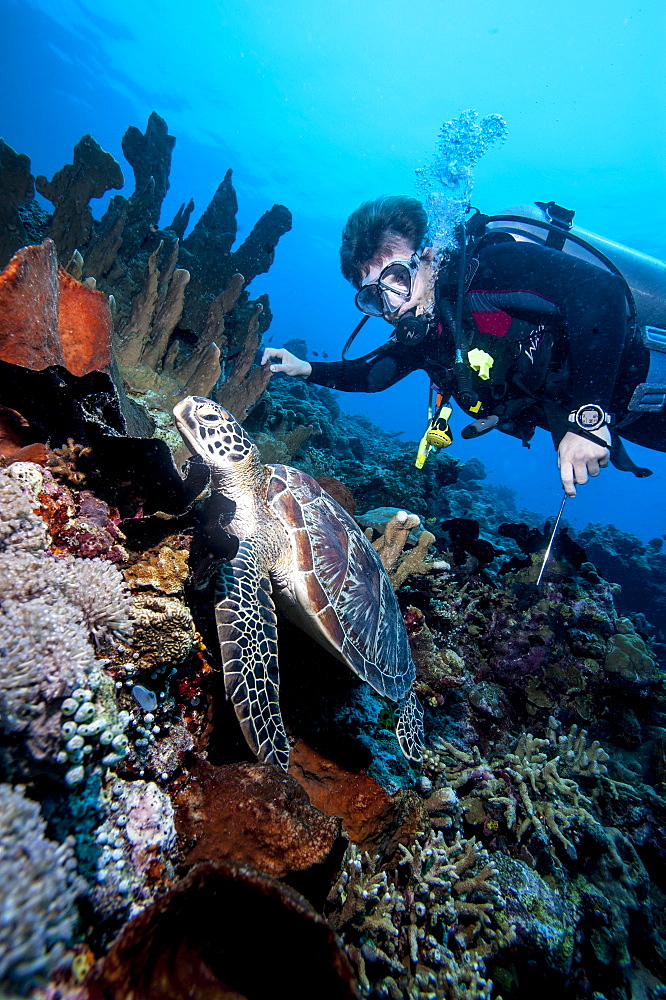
(212, 432)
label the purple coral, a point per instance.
(38, 889)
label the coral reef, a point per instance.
(38, 891)
(181, 313)
(423, 924)
(638, 568)
(525, 857)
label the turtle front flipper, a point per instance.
(246, 626)
(409, 728)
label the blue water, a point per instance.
(322, 106)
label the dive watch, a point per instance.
(590, 417)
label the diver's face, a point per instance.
(422, 286)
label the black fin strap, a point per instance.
(621, 460)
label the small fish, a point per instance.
(324, 354)
(315, 354)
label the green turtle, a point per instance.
(299, 548)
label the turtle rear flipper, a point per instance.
(409, 728)
(246, 626)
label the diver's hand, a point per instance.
(579, 458)
(288, 364)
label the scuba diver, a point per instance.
(525, 324)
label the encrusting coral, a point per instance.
(38, 891)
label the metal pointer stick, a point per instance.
(552, 539)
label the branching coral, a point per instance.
(532, 788)
(38, 890)
(401, 564)
(422, 925)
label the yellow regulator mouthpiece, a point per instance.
(481, 362)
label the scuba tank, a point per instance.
(551, 225)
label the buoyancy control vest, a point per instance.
(550, 225)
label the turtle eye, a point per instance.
(210, 418)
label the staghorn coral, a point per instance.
(533, 789)
(38, 891)
(421, 925)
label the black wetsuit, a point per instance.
(556, 329)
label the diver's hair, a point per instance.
(371, 230)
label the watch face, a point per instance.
(590, 418)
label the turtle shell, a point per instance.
(339, 583)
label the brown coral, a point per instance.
(163, 629)
(164, 570)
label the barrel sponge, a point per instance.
(38, 890)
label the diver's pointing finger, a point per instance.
(566, 474)
(580, 471)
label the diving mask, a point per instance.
(390, 290)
